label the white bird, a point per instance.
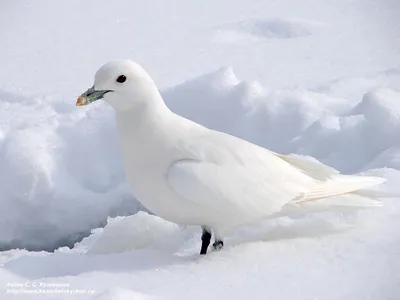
(192, 175)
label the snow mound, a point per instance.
(66, 161)
(123, 234)
(380, 105)
(368, 132)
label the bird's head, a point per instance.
(123, 84)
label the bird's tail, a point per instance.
(341, 185)
(341, 193)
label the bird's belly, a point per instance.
(161, 200)
(165, 203)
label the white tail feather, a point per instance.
(339, 185)
(343, 203)
(332, 189)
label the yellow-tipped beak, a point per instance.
(82, 100)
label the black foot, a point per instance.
(218, 245)
(205, 240)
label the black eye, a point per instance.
(121, 78)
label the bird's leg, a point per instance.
(205, 240)
(218, 243)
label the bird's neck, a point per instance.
(141, 134)
(144, 122)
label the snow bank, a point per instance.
(140, 231)
(60, 172)
(66, 163)
(256, 262)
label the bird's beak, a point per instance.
(90, 96)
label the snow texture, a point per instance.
(319, 78)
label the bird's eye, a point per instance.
(121, 78)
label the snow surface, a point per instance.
(312, 77)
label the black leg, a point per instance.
(205, 240)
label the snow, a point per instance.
(48, 195)
(309, 77)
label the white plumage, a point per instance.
(189, 174)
